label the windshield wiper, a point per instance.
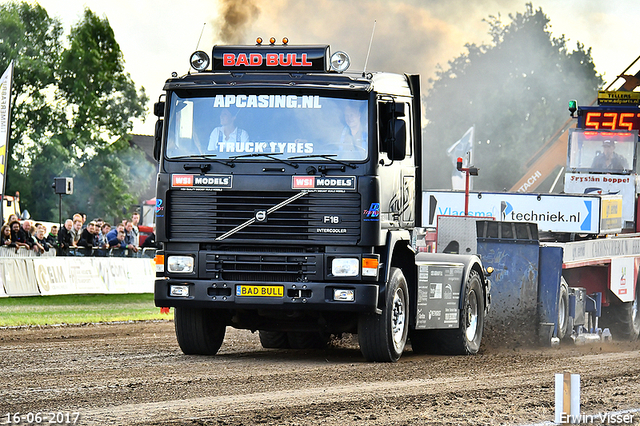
(271, 156)
(210, 157)
(326, 157)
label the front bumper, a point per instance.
(295, 296)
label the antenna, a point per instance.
(364, 71)
(202, 31)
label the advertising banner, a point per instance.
(552, 212)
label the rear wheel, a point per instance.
(382, 337)
(466, 339)
(199, 331)
(273, 339)
(623, 319)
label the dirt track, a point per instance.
(136, 374)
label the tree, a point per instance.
(70, 104)
(514, 90)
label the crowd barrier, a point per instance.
(53, 275)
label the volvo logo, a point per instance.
(260, 215)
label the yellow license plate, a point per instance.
(260, 290)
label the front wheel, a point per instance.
(199, 331)
(382, 337)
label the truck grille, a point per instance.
(285, 265)
(204, 216)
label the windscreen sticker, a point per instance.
(319, 183)
(264, 147)
(201, 181)
(267, 101)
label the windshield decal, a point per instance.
(264, 147)
(267, 101)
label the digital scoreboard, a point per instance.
(609, 117)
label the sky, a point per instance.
(414, 36)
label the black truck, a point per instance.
(288, 195)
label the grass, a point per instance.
(78, 309)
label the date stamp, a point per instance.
(44, 417)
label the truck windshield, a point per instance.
(227, 126)
(602, 151)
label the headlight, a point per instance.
(345, 267)
(340, 62)
(180, 264)
(199, 61)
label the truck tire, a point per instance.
(466, 339)
(623, 319)
(199, 331)
(382, 337)
(307, 340)
(273, 339)
(563, 311)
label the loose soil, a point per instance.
(135, 374)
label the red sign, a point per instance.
(302, 182)
(182, 180)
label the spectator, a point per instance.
(135, 218)
(114, 232)
(18, 236)
(117, 244)
(5, 234)
(76, 232)
(41, 244)
(65, 240)
(87, 238)
(28, 232)
(129, 238)
(103, 242)
(52, 238)
(12, 218)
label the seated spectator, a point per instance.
(87, 238)
(18, 236)
(5, 234)
(41, 244)
(65, 239)
(76, 232)
(52, 238)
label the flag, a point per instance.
(462, 148)
(5, 121)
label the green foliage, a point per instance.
(70, 104)
(514, 91)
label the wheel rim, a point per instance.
(472, 316)
(398, 318)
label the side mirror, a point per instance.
(157, 139)
(396, 140)
(158, 109)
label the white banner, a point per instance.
(552, 212)
(75, 275)
(6, 82)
